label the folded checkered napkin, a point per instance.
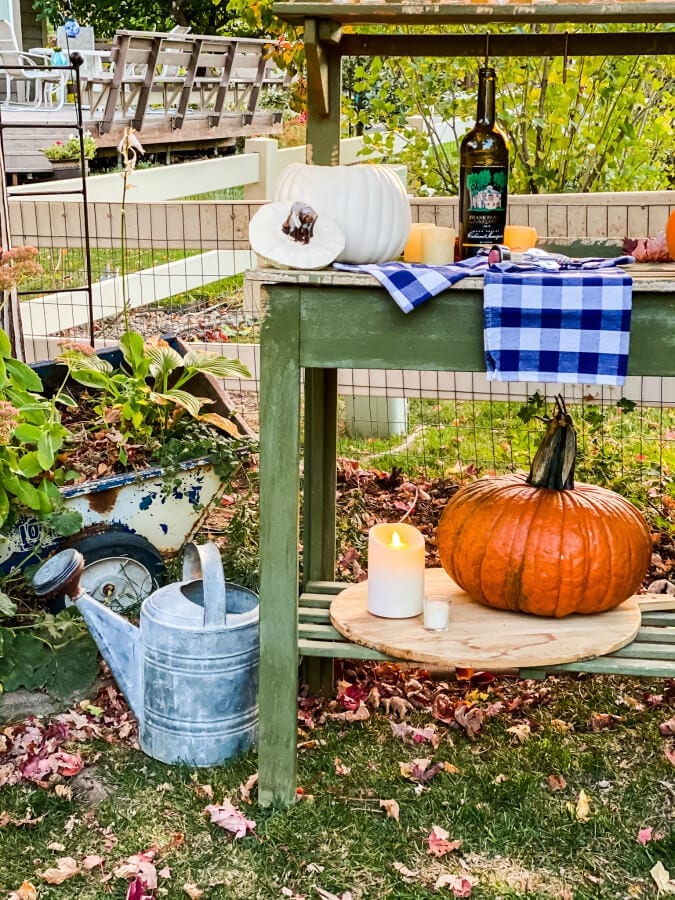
(570, 326)
(411, 284)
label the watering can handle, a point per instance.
(202, 561)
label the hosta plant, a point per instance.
(148, 400)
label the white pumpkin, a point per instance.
(267, 239)
(368, 202)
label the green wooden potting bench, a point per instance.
(319, 322)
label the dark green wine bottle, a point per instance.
(483, 175)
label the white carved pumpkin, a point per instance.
(266, 237)
(368, 202)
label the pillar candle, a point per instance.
(519, 237)
(413, 248)
(395, 571)
(438, 246)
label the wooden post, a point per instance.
(11, 312)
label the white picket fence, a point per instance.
(218, 231)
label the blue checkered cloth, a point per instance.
(570, 326)
(411, 284)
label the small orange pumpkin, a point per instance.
(670, 235)
(539, 544)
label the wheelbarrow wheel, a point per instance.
(120, 570)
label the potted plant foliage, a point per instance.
(117, 452)
(65, 155)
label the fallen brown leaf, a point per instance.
(556, 783)
(91, 861)
(27, 891)
(246, 788)
(65, 868)
(662, 878)
(391, 808)
(521, 732)
(340, 768)
(193, 892)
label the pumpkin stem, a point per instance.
(553, 463)
(300, 223)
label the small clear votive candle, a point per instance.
(436, 611)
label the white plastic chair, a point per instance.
(48, 86)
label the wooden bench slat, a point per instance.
(651, 634)
(313, 614)
(638, 650)
(342, 650)
(326, 587)
(658, 618)
(316, 631)
(320, 601)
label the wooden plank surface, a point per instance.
(484, 638)
(470, 12)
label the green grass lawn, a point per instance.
(522, 831)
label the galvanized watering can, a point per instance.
(190, 672)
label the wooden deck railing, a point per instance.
(181, 75)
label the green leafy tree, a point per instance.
(601, 123)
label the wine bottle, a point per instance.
(483, 175)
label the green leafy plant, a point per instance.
(147, 401)
(70, 149)
(31, 433)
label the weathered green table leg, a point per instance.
(319, 500)
(279, 524)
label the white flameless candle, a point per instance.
(438, 246)
(395, 571)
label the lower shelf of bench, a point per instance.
(651, 654)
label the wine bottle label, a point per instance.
(485, 194)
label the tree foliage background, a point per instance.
(587, 124)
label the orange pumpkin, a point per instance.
(539, 544)
(670, 235)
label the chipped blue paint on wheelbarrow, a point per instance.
(166, 509)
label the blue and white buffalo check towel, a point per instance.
(571, 326)
(411, 284)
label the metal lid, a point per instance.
(54, 574)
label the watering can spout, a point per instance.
(120, 645)
(118, 640)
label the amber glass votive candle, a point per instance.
(413, 252)
(395, 571)
(519, 237)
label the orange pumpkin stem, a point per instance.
(553, 463)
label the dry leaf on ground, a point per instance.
(65, 868)
(668, 727)
(27, 891)
(391, 808)
(92, 860)
(340, 768)
(582, 808)
(193, 892)
(556, 783)
(521, 732)
(230, 818)
(406, 873)
(460, 885)
(246, 788)
(438, 842)
(662, 878)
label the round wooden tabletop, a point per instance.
(479, 637)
